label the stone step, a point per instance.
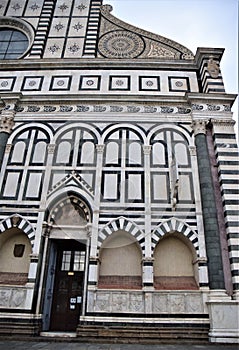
(131, 334)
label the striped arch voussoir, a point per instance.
(122, 224)
(17, 221)
(174, 225)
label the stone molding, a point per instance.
(223, 123)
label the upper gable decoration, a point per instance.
(118, 39)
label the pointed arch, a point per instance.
(175, 225)
(17, 221)
(122, 223)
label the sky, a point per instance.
(192, 23)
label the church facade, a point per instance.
(119, 176)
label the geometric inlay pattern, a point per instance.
(179, 84)
(60, 83)
(6, 83)
(90, 82)
(32, 83)
(119, 82)
(149, 83)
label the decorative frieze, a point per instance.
(124, 108)
(13, 298)
(132, 109)
(211, 107)
(136, 302)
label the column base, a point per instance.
(224, 318)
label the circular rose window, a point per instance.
(13, 44)
(16, 38)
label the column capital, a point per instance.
(100, 148)
(7, 122)
(192, 150)
(147, 149)
(199, 126)
(51, 148)
(10, 101)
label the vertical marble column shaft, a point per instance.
(213, 247)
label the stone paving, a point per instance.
(42, 345)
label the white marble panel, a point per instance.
(77, 27)
(16, 297)
(81, 8)
(34, 8)
(33, 185)
(160, 190)
(74, 48)
(63, 8)
(3, 7)
(10, 189)
(54, 48)
(16, 8)
(58, 27)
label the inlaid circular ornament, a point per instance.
(121, 44)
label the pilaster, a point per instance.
(7, 120)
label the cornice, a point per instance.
(212, 98)
(97, 63)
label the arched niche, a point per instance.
(15, 250)
(120, 262)
(175, 266)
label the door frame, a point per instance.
(54, 247)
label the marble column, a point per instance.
(212, 237)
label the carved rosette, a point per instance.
(121, 44)
(199, 127)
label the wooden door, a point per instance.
(68, 289)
